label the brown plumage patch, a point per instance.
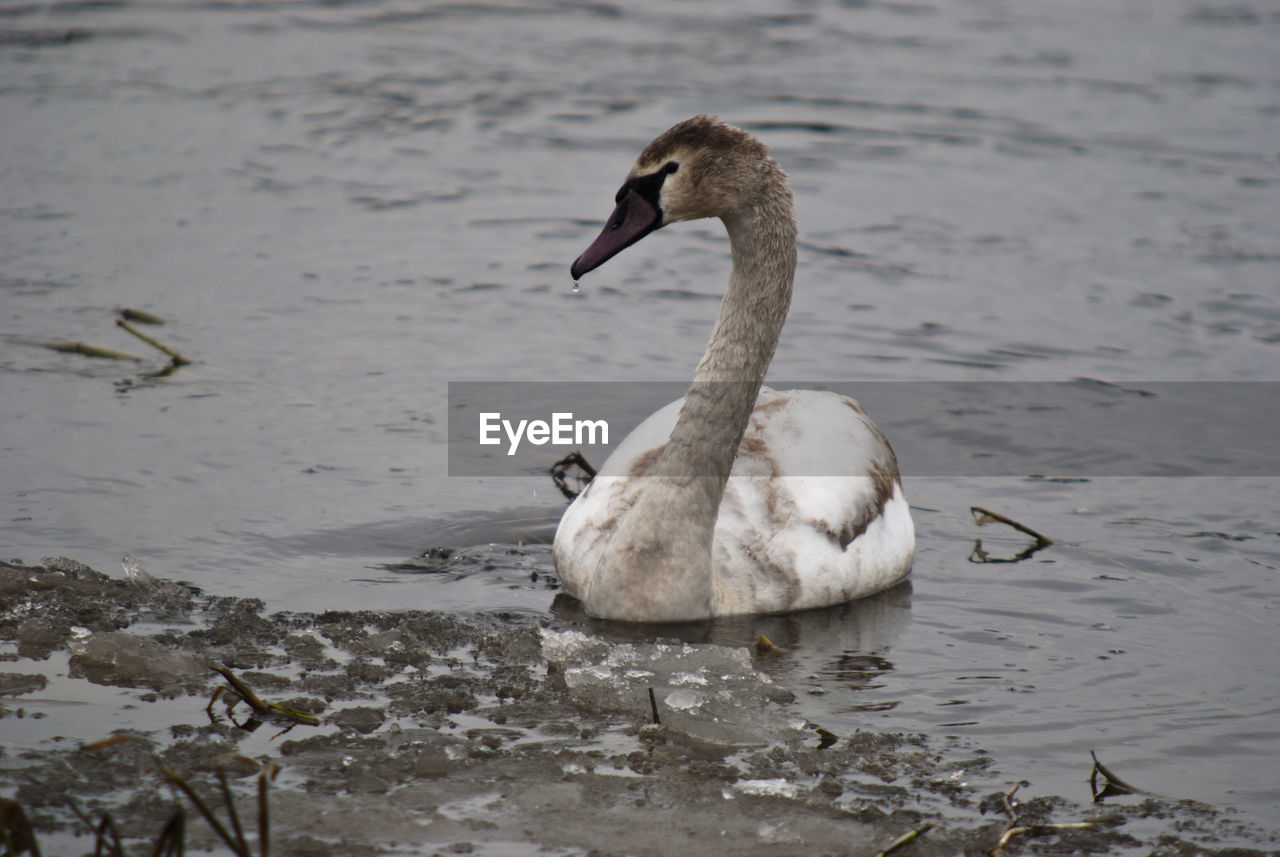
(779, 507)
(773, 405)
(844, 537)
(760, 414)
(773, 571)
(701, 132)
(856, 406)
(645, 461)
(598, 535)
(755, 448)
(884, 479)
(892, 464)
(789, 580)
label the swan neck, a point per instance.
(719, 403)
(755, 303)
(660, 560)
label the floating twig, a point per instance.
(1016, 828)
(267, 709)
(141, 316)
(983, 516)
(1112, 785)
(986, 516)
(1011, 832)
(165, 371)
(979, 555)
(653, 703)
(83, 348)
(1006, 799)
(178, 359)
(243, 690)
(560, 469)
(905, 838)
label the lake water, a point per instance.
(343, 207)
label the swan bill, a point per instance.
(634, 218)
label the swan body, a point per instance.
(735, 499)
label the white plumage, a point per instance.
(781, 542)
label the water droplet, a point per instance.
(576, 287)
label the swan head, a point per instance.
(701, 167)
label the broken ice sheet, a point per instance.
(128, 660)
(708, 692)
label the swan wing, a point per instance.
(813, 514)
(591, 519)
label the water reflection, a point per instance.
(869, 624)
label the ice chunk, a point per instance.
(712, 693)
(16, 684)
(122, 659)
(685, 700)
(133, 571)
(777, 787)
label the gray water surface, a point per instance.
(342, 207)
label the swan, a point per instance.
(710, 507)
